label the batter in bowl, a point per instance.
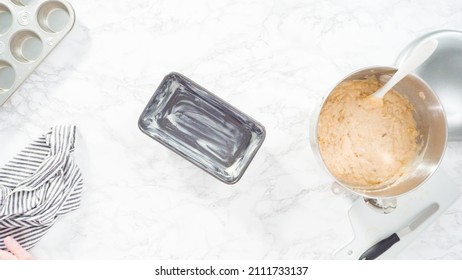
(366, 141)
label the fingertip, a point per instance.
(16, 249)
(9, 241)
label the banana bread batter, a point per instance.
(366, 141)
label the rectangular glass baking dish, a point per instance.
(202, 128)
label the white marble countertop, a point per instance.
(273, 60)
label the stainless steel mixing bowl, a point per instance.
(431, 123)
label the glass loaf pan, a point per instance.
(29, 31)
(202, 128)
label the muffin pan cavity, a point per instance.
(29, 31)
(26, 46)
(6, 19)
(53, 16)
(7, 76)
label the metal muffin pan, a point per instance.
(29, 31)
(202, 128)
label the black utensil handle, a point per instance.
(378, 249)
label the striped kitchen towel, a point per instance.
(38, 185)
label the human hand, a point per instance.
(16, 251)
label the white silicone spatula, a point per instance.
(421, 53)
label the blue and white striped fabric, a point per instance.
(38, 185)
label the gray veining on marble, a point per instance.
(271, 59)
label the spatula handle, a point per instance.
(378, 249)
